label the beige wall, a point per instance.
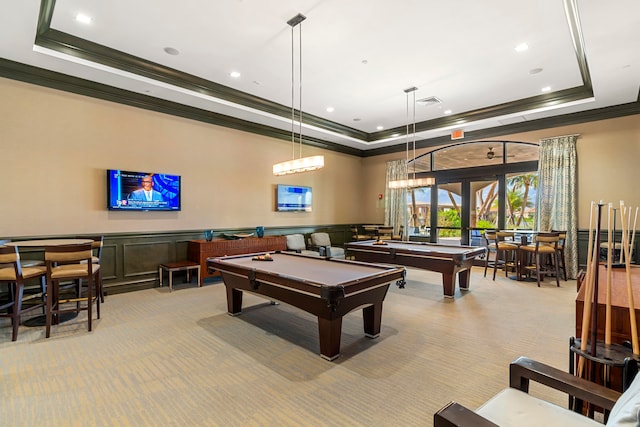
(608, 165)
(56, 147)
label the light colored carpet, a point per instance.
(177, 359)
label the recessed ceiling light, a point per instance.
(522, 47)
(447, 111)
(330, 109)
(85, 19)
(234, 74)
(546, 89)
(380, 127)
(171, 51)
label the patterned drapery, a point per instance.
(395, 201)
(557, 196)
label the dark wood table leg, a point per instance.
(448, 284)
(330, 331)
(464, 277)
(372, 316)
(234, 301)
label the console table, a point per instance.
(199, 250)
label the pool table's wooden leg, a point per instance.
(464, 279)
(330, 331)
(448, 284)
(372, 316)
(234, 301)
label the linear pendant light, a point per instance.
(300, 164)
(411, 181)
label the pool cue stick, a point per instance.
(594, 304)
(607, 323)
(632, 312)
(588, 294)
(633, 235)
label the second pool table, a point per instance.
(446, 259)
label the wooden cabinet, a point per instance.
(199, 250)
(620, 320)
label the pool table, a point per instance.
(327, 288)
(445, 259)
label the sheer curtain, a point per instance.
(556, 199)
(395, 201)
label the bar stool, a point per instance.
(506, 252)
(71, 263)
(15, 275)
(546, 245)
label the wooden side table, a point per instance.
(172, 267)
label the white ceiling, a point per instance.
(358, 56)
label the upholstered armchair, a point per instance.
(322, 243)
(514, 406)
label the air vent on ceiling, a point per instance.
(429, 100)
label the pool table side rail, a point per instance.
(384, 275)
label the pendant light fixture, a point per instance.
(300, 164)
(411, 181)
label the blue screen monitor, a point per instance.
(142, 191)
(293, 198)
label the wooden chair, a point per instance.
(546, 246)
(15, 275)
(71, 263)
(96, 258)
(23, 262)
(356, 236)
(400, 234)
(561, 257)
(385, 232)
(506, 252)
(489, 237)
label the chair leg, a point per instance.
(538, 268)
(49, 311)
(17, 308)
(495, 263)
(556, 263)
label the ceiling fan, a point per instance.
(490, 154)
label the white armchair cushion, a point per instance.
(626, 411)
(295, 242)
(320, 239)
(512, 407)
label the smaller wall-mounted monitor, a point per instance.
(142, 191)
(293, 198)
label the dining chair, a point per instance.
(489, 237)
(23, 262)
(96, 258)
(561, 257)
(15, 276)
(385, 232)
(506, 253)
(545, 246)
(400, 234)
(356, 236)
(72, 282)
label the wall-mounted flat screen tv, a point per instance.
(142, 191)
(293, 198)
